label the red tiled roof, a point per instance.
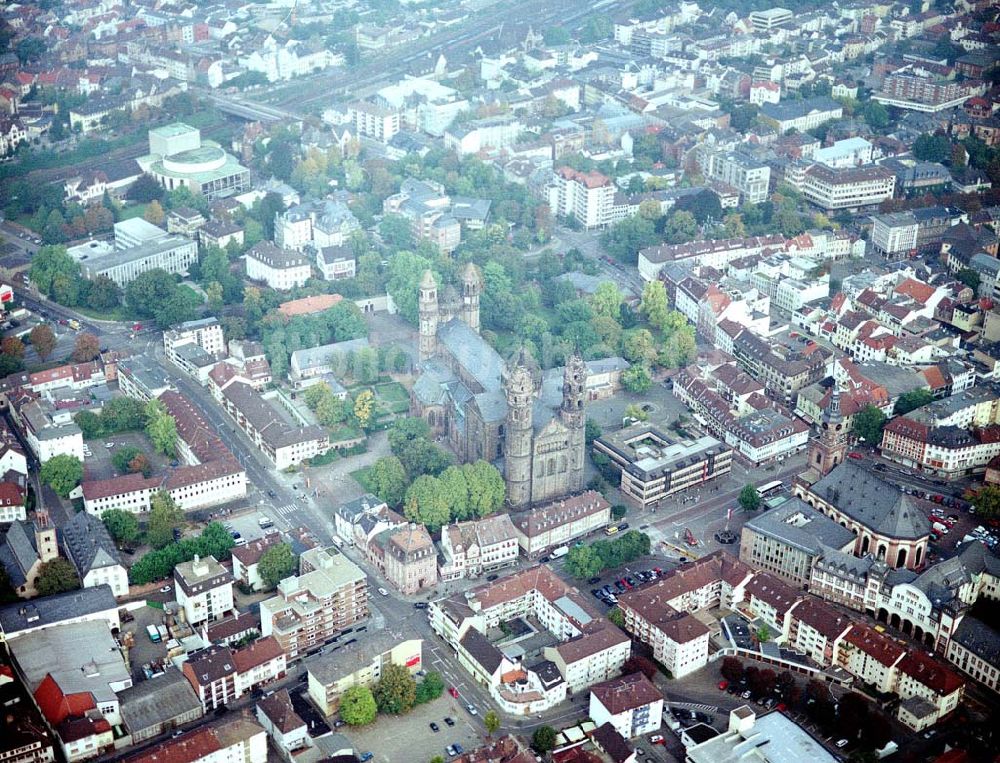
(11, 494)
(129, 483)
(626, 693)
(258, 653)
(882, 649)
(930, 673)
(916, 290)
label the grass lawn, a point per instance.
(345, 432)
(136, 210)
(120, 313)
(361, 477)
(393, 397)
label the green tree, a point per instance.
(607, 300)
(50, 263)
(396, 231)
(104, 294)
(624, 240)
(875, 114)
(584, 562)
(681, 227)
(424, 503)
(654, 304)
(592, 431)
(364, 407)
(912, 400)
(430, 688)
(43, 339)
(56, 576)
(122, 525)
(987, 502)
(164, 518)
(62, 473)
(396, 691)
(636, 379)
(617, 617)
(124, 456)
(932, 148)
(633, 411)
(749, 499)
(388, 481)
(276, 564)
(970, 278)
(486, 488)
(161, 428)
(638, 346)
(492, 722)
(455, 491)
(357, 706)
(543, 740)
(868, 425)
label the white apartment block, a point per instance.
(744, 173)
(49, 432)
(895, 233)
(206, 333)
(632, 704)
(204, 590)
(587, 660)
(763, 21)
(586, 197)
(471, 548)
(374, 121)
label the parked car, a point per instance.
(723, 685)
(434, 727)
(657, 739)
(420, 605)
(448, 720)
(856, 456)
(841, 744)
(166, 589)
(594, 581)
(472, 710)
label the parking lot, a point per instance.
(99, 465)
(409, 737)
(144, 650)
(619, 579)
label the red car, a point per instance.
(453, 691)
(856, 456)
(723, 685)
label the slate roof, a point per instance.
(472, 352)
(149, 703)
(88, 544)
(797, 524)
(481, 650)
(872, 501)
(50, 610)
(18, 553)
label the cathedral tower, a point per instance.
(472, 288)
(572, 414)
(829, 447)
(429, 315)
(517, 450)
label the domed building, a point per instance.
(178, 157)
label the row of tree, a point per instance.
(214, 541)
(590, 561)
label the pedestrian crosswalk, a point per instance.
(286, 510)
(695, 706)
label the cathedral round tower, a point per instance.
(429, 316)
(520, 392)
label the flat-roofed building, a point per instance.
(329, 595)
(204, 589)
(359, 662)
(173, 254)
(771, 738)
(655, 462)
(558, 522)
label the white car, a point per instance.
(383, 591)
(841, 744)
(166, 589)
(472, 710)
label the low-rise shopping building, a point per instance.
(470, 549)
(359, 662)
